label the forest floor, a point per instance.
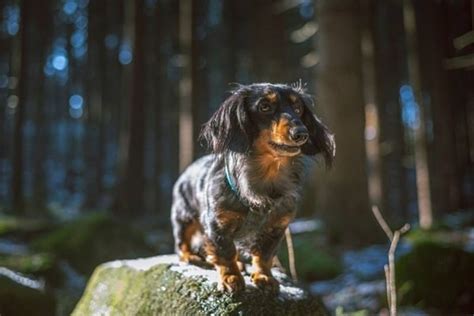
(361, 286)
(56, 260)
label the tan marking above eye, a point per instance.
(293, 98)
(271, 96)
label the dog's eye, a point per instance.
(264, 107)
(298, 109)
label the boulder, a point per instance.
(164, 286)
(437, 276)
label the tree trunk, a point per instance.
(17, 179)
(421, 156)
(41, 138)
(130, 200)
(95, 147)
(391, 74)
(436, 84)
(343, 191)
(186, 137)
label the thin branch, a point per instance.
(291, 255)
(404, 229)
(387, 278)
(382, 222)
(391, 267)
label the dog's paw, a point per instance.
(231, 283)
(265, 282)
(190, 258)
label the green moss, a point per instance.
(19, 300)
(417, 236)
(161, 291)
(22, 227)
(437, 276)
(312, 262)
(91, 240)
(340, 312)
(38, 263)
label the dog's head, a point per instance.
(274, 116)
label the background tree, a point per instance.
(130, 199)
(390, 58)
(343, 192)
(25, 49)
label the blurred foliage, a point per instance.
(437, 275)
(340, 312)
(313, 261)
(92, 240)
(38, 263)
(23, 228)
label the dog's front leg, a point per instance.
(263, 251)
(222, 254)
(221, 251)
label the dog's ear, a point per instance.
(229, 128)
(321, 140)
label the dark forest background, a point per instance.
(101, 102)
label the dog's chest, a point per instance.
(248, 233)
(258, 221)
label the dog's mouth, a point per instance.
(284, 149)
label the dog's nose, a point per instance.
(299, 135)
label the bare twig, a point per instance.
(390, 268)
(291, 255)
(387, 277)
(404, 229)
(382, 222)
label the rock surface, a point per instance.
(164, 286)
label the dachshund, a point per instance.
(240, 198)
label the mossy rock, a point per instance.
(163, 286)
(23, 228)
(91, 240)
(437, 276)
(419, 236)
(449, 237)
(313, 263)
(19, 300)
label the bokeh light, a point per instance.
(125, 54)
(76, 101)
(70, 7)
(111, 41)
(60, 62)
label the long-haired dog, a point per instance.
(242, 196)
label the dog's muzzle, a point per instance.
(299, 135)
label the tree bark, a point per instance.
(186, 137)
(421, 155)
(432, 38)
(41, 140)
(391, 74)
(130, 200)
(17, 178)
(95, 152)
(343, 191)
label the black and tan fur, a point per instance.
(267, 135)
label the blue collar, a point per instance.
(233, 186)
(230, 181)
